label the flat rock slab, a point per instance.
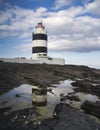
(92, 108)
(69, 119)
(66, 118)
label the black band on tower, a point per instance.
(39, 37)
(39, 49)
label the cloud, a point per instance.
(85, 25)
(19, 21)
(61, 3)
(25, 47)
(68, 30)
(93, 7)
(74, 43)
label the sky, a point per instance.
(73, 28)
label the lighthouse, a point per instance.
(39, 42)
(39, 49)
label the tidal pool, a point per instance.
(21, 97)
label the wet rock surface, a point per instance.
(16, 120)
(86, 86)
(85, 79)
(92, 108)
(72, 98)
(66, 118)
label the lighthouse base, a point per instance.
(47, 60)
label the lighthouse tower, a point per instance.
(39, 42)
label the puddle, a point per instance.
(22, 97)
(83, 97)
(63, 87)
(22, 101)
(88, 97)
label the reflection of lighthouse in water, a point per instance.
(39, 39)
(39, 101)
(39, 96)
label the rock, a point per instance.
(86, 87)
(62, 97)
(17, 95)
(69, 118)
(4, 102)
(50, 91)
(72, 98)
(14, 74)
(92, 108)
(57, 110)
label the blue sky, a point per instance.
(73, 28)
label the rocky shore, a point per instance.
(14, 74)
(85, 79)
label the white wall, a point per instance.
(47, 60)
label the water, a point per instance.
(63, 87)
(22, 101)
(83, 97)
(21, 97)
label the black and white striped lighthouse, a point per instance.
(39, 41)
